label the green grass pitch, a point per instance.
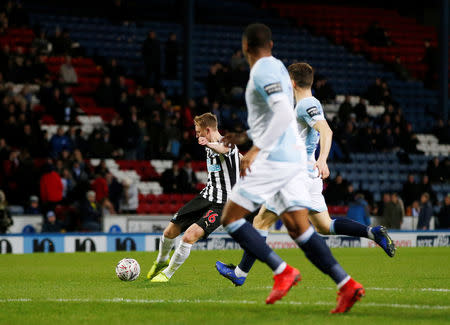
(80, 288)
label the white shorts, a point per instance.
(268, 178)
(277, 204)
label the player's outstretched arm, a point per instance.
(326, 137)
(218, 147)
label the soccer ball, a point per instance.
(128, 269)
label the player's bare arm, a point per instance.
(218, 147)
(326, 136)
(248, 160)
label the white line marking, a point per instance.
(374, 288)
(211, 301)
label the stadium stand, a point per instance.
(140, 143)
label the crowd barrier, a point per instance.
(148, 223)
(112, 242)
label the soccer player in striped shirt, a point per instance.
(200, 216)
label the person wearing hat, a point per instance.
(34, 207)
(51, 224)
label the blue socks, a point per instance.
(348, 227)
(317, 251)
(254, 244)
(248, 259)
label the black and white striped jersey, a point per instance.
(223, 172)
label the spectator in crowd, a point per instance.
(426, 211)
(431, 60)
(213, 83)
(174, 180)
(393, 213)
(115, 190)
(360, 109)
(129, 201)
(377, 36)
(107, 207)
(90, 213)
(411, 190)
(443, 216)
(336, 191)
(442, 131)
(191, 181)
(358, 210)
(105, 93)
(51, 224)
(345, 109)
(237, 60)
(375, 92)
(67, 72)
(399, 69)
(41, 43)
(51, 188)
(143, 140)
(415, 209)
(59, 142)
(113, 69)
(5, 216)
(425, 187)
(323, 90)
(68, 185)
(33, 207)
(172, 49)
(151, 54)
(58, 42)
(100, 187)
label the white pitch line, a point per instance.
(375, 289)
(211, 301)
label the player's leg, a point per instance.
(343, 226)
(184, 218)
(250, 240)
(237, 274)
(166, 243)
(317, 251)
(190, 236)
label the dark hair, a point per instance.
(302, 73)
(258, 36)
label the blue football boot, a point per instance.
(227, 271)
(382, 238)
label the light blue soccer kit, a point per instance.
(280, 167)
(308, 111)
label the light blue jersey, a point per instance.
(308, 111)
(269, 80)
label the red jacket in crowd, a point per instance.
(51, 187)
(100, 187)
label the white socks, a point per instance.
(280, 268)
(343, 282)
(239, 273)
(165, 246)
(370, 233)
(178, 258)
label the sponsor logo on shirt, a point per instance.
(273, 88)
(313, 111)
(212, 167)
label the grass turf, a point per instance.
(80, 288)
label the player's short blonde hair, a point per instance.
(206, 120)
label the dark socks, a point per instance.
(317, 251)
(253, 243)
(348, 227)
